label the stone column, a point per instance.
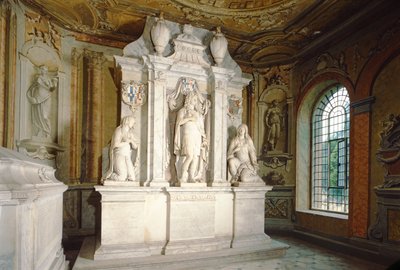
(94, 115)
(219, 126)
(157, 161)
(76, 110)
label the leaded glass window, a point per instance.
(330, 151)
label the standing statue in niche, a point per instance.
(273, 120)
(190, 142)
(39, 95)
(242, 159)
(123, 142)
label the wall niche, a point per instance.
(275, 108)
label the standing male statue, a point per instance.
(190, 142)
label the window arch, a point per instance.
(330, 151)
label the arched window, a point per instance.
(330, 151)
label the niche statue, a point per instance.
(273, 121)
(121, 167)
(190, 142)
(39, 95)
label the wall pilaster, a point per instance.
(75, 125)
(94, 114)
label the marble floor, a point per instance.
(301, 255)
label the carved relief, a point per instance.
(244, 14)
(43, 176)
(39, 29)
(276, 208)
(326, 61)
(192, 197)
(235, 107)
(274, 178)
(276, 75)
(189, 48)
(133, 94)
(100, 7)
(389, 152)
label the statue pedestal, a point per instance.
(248, 217)
(122, 222)
(147, 221)
(386, 227)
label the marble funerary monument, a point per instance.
(181, 174)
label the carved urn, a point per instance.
(160, 35)
(218, 46)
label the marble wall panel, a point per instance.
(359, 187)
(322, 224)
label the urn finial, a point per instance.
(218, 46)
(160, 35)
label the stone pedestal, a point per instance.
(31, 207)
(149, 221)
(386, 228)
(122, 223)
(248, 217)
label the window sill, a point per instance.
(325, 214)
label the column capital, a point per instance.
(96, 59)
(76, 54)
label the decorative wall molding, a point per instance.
(363, 106)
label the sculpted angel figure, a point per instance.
(39, 95)
(190, 142)
(123, 142)
(242, 159)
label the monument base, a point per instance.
(145, 227)
(197, 260)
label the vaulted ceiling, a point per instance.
(259, 32)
